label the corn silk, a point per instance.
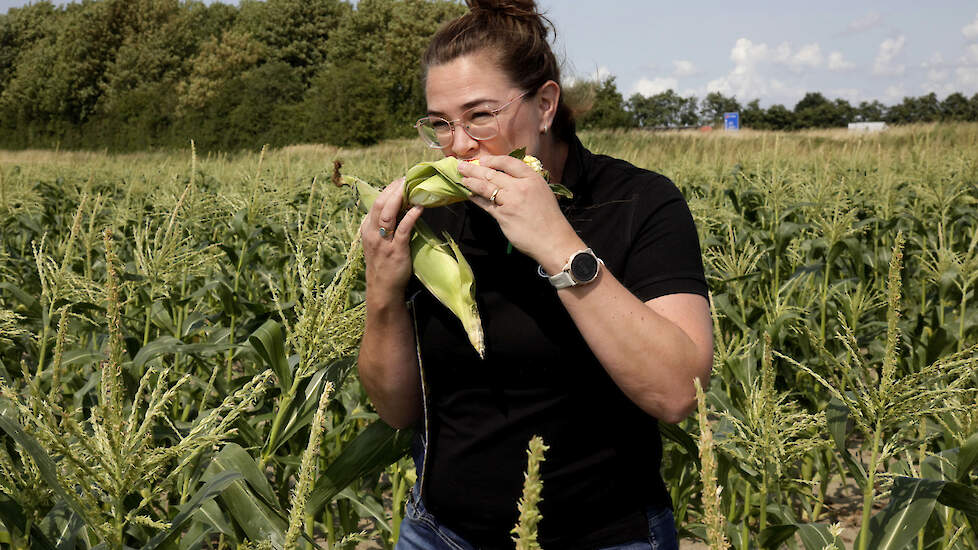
(437, 263)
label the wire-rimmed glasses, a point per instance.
(479, 123)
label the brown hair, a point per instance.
(515, 33)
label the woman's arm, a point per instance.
(653, 350)
(388, 362)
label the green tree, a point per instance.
(778, 117)
(389, 37)
(870, 111)
(218, 62)
(714, 105)
(957, 107)
(296, 32)
(602, 105)
(663, 109)
(815, 111)
(346, 105)
(265, 110)
(754, 116)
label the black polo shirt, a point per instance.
(540, 378)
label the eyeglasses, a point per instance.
(479, 123)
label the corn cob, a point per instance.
(439, 183)
(438, 264)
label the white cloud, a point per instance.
(808, 56)
(970, 55)
(651, 87)
(782, 54)
(865, 22)
(966, 80)
(745, 53)
(837, 62)
(886, 59)
(684, 68)
(894, 93)
(766, 72)
(937, 75)
(936, 60)
(970, 31)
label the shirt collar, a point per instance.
(575, 167)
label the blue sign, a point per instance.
(731, 121)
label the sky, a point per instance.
(774, 51)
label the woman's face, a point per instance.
(474, 80)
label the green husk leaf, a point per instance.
(432, 184)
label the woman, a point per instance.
(590, 355)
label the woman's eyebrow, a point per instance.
(465, 107)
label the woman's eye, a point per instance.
(440, 125)
(480, 117)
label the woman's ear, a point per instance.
(548, 96)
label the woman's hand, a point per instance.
(524, 206)
(387, 253)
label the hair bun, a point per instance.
(513, 8)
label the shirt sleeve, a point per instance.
(665, 255)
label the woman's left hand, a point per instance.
(524, 206)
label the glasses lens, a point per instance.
(436, 132)
(480, 123)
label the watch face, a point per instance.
(584, 267)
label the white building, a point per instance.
(867, 126)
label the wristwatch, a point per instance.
(580, 269)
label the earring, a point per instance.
(544, 130)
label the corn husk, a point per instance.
(440, 267)
(432, 184)
(439, 264)
(439, 183)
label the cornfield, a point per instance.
(178, 339)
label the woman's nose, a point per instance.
(463, 146)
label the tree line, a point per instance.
(138, 74)
(609, 109)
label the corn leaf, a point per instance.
(211, 489)
(249, 511)
(64, 527)
(967, 457)
(911, 502)
(367, 507)
(44, 463)
(837, 417)
(372, 450)
(269, 341)
(814, 536)
(12, 516)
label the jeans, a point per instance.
(421, 531)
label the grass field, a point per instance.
(178, 334)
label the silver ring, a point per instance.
(492, 197)
(383, 232)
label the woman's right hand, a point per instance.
(388, 256)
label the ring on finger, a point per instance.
(383, 232)
(492, 197)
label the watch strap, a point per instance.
(562, 280)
